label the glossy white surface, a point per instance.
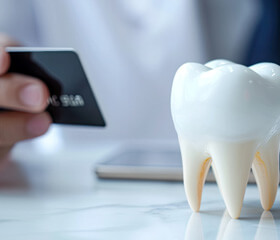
(54, 195)
(225, 101)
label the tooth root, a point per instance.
(195, 168)
(266, 171)
(232, 163)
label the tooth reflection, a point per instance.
(230, 228)
(267, 228)
(194, 228)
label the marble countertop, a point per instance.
(54, 194)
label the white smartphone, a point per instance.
(147, 164)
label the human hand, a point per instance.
(27, 97)
(20, 92)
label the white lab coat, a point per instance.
(131, 49)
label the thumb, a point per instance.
(4, 61)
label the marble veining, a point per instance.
(69, 202)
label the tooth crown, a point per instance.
(222, 100)
(228, 115)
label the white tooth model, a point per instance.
(228, 115)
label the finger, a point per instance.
(4, 61)
(17, 126)
(4, 152)
(24, 93)
(6, 41)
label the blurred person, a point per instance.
(130, 50)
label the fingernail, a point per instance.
(31, 95)
(38, 125)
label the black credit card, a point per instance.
(71, 98)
